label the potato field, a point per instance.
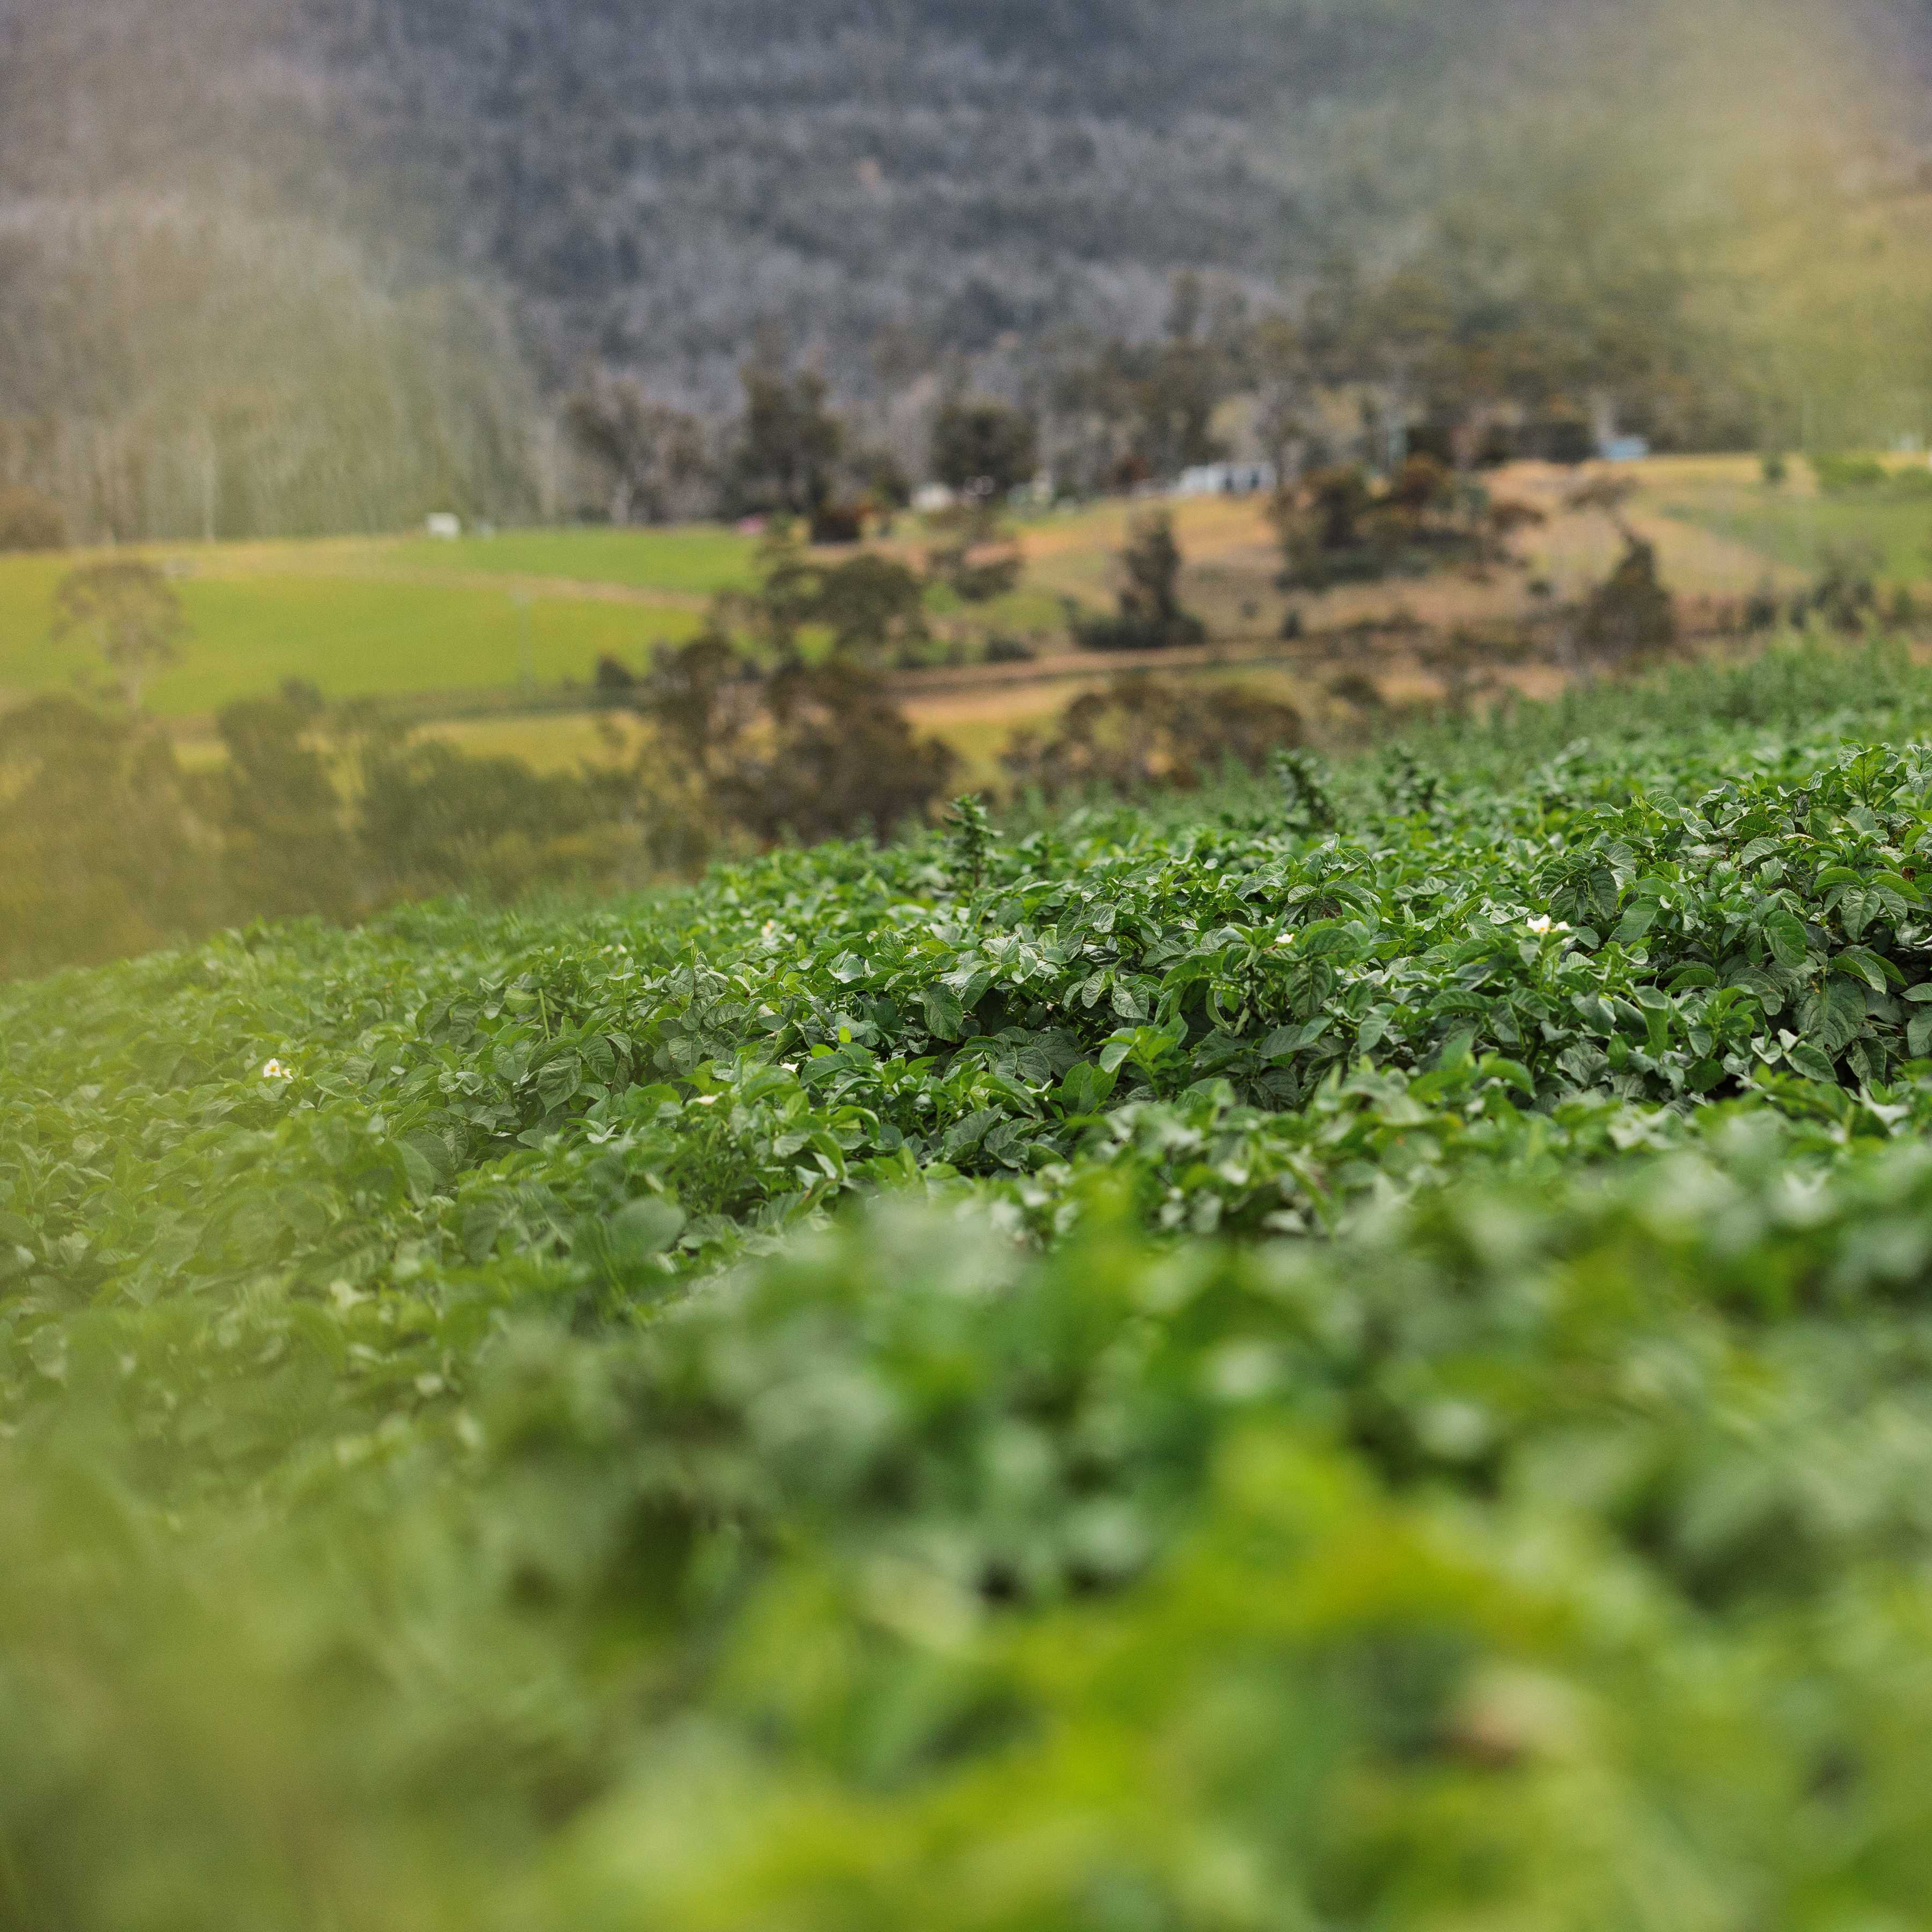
(1350, 1351)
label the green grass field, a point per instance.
(695, 560)
(380, 618)
(1799, 530)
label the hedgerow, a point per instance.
(1193, 1366)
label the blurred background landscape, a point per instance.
(445, 373)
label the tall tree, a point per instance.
(984, 446)
(654, 455)
(789, 442)
(129, 611)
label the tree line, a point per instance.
(772, 725)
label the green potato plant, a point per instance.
(1209, 1365)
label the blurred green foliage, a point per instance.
(108, 847)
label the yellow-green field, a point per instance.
(410, 613)
(406, 615)
(1799, 529)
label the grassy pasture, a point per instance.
(1797, 530)
(366, 618)
(694, 560)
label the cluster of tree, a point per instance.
(1365, 394)
(1341, 525)
(1843, 597)
(855, 165)
(773, 722)
(174, 370)
(1143, 733)
(789, 453)
(869, 610)
(656, 186)
(273, 266)
(772, 725)
(109, 846)
(806, 750)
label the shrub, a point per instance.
(1336, 527)
(1867, 476)
(29, 522)
(1629, 618)
(1358, 691)
(129, 611)
(431, 819)
(843, 760)
(1567, 440)
(984, 446)
(1845, 596)
(101, 854)
(614, 679)
(1151, 616)
(287, 847)
(971, 559)
(873, 607)
(1001, 649)
(838, 523)
(809, 752)
(1848, 475)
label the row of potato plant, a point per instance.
(1347, 1353)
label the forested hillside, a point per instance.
(652, 183)
(223, 220)
(656, 189)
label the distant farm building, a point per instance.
(1227, 479)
